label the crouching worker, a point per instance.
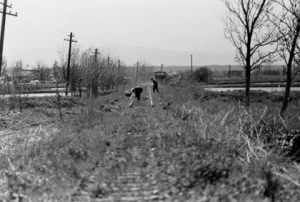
(134, 93)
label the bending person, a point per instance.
(136, 93)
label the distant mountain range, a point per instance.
(174, 60)
(156, 57)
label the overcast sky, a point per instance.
(129, 29)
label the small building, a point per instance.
(20, 75)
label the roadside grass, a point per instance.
(255, 133)
(192, 148)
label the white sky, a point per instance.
(187, 26)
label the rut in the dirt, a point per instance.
(134, 183)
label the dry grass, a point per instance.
(192, 148)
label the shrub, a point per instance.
(271, 72)
(202, 74)
(185, 78)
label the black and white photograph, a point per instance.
(150, 101)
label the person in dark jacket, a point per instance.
(155, 85)
(136, 92)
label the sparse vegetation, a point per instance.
(193, 145)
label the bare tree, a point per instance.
(93, 70)
(89, 72)
(288, 30)
(252, 34)
(57, 72)
(17, 87)
(42, 72)
(63, 62)
(74, 73)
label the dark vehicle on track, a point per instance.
(160, 75)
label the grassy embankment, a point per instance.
(192, 145)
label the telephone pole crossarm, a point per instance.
(7, 6)
(9, 13)
(75, 41)
(96, 53)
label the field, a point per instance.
(192, 145)
(262, 80)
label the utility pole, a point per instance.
(229, 73)
(4, 13)
(119, 74)
(70, 40)
(119, 63)
(96, 53)
(95, 75)
(191, 63)
(136, 73)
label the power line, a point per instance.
(96, 53)
(95, 75)
(119, 63)
(108, 60)
(191, 63)
(70, 40)
(136, 73)
(4, 13)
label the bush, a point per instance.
(186, 78)
(271, 72)
(202, 74)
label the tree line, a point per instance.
(91, 71)
(88, 72)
